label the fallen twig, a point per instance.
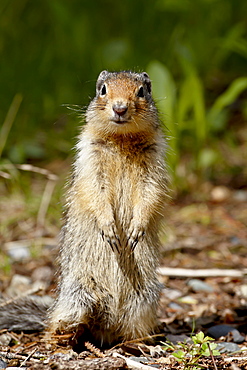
(212, 357)
(133, 364)
(11, 356)
(9, 120)
(27, 293)
(28, 357)
(235, 358)
(189, 273)
(45, 201)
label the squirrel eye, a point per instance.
(140, 93)
(103, 90)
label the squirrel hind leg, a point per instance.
(64, 320)
(140, 321)
(70, 311)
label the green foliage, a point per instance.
(185, 115)
(190, 353)
(216, 116)
(52, 52)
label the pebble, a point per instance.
(19, 284)
(3, 364)
(17, 251)
(5, 340)
(188, 300)
(235, 241)
(243, 290)
(174, 306)
(227, 347)
(171, 293)
(199, 286)
(69, 355)
(222, 330)
(141, 359)
(173, 338)
(220, 194)
(240, 195)
(43, 273)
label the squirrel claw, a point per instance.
(110, 236)
(136, 234)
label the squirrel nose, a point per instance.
(120, 109)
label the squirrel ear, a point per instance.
(145, 75)
(101, 79)
(147, 81)
(103, 75)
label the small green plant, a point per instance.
(188, 354)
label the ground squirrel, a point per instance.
(115, 205)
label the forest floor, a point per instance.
(203, 272)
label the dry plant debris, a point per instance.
(203, 272)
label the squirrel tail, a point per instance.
(25, 314)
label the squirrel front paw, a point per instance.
(135, 234)
(110, 235)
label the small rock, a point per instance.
(141, 359)
(243, 290)
(5, 340)
(178, 338)
(222, 330)
(174, 306)
(240, 195)
(171, 293)
(199, 286)
(220, 194)
(65, 356)
(235, 240)
(188, 300)
(227, 347)
(19, 284)
(17, 251)
(3, 364)
(43, 273)
(156, 351)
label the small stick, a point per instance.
(212, 357)
(31, 168)
(28, 357)
(189, 273)
(133, 364)
(9, 120)
(45, 201)
(27, 293)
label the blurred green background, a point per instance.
(195, 51)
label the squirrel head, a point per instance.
(123, 103)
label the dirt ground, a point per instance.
(204, 283)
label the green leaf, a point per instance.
(191, 102)
(164, 92)
(198, 338)
(206, 158)
(227, 98)
(179, 354)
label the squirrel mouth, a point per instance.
(119, 120)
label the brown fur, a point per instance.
(115, 204)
